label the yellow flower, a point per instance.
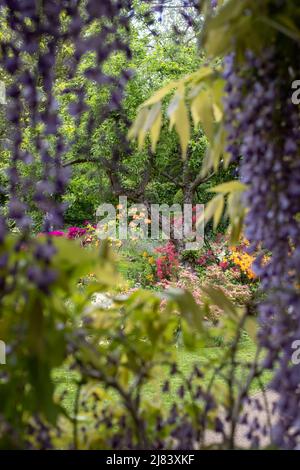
(244, 261)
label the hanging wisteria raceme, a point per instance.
(29, 59)
(263, 129)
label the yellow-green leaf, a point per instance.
(218, 91)
(141, 139)
(251, 328)
(217, 148)
(218, 114)
(216, 205)
(179, 117)
(139, 123)
(151, 116)
(155, 131)
(202, 112)
(218, 210)
(182, 125)
(228, 187)
(172, 109)
(162, 92)
(203, 72)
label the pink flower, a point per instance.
(76, 232)
(201, 261)
(56, 233)
(168, 262)
(224, 265)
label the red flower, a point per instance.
(224, 265)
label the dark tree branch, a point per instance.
(80, 161)
(172, 179)
(201, 180)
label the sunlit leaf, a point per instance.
(179, 117)
(228, 187)
(202, 112)
(155, 131)
(151, 116)
(161, 93)
(218, 211)
(215, 206)
(138, 123)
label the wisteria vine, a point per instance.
(29, 59)
(263, 134)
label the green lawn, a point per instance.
(66, 381)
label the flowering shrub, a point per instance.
(244, 261)
(227, 281)
(87, 235)
(72, 233)
(224, 265)
(207, 258)
(234, 258)
(149, 276)
(167, 264)
(187, 279)
(75, 232)
(90, 237)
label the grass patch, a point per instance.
(65, 380)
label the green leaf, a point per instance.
(179, 117)
(217, 148)
(218, 298)
(162, 92)
(218, 211)
(214, 209)
(216, 41)
(285, 26)
(139, 123)
(218, 92)
(236, 230)
(202, 112)
(251, 327)
(231, 10)
(151, 116)
(155, 131)
(149, 119)
(228, 187)
(203, 73)
(188, 307)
